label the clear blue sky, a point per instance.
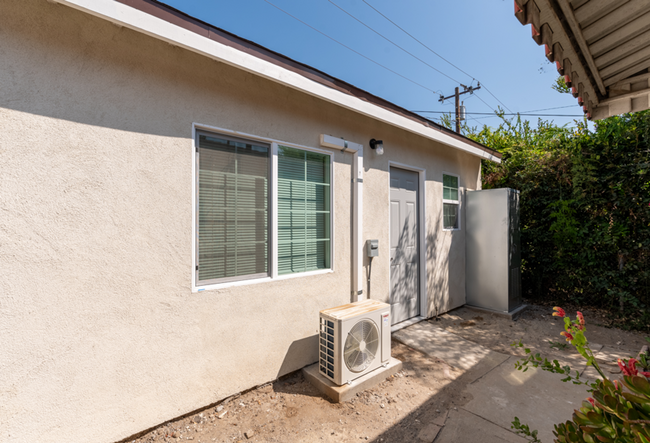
(481, 37)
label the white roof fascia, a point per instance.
(132, 18)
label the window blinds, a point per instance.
(233, 209)
(303, 210)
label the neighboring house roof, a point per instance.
(166, 23)
(602, 47)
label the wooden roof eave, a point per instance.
(602, 47)
(562, 49)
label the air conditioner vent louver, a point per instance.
(361, 346)
(354, 339)
(326, 358)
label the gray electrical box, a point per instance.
(493, 250)
(372, 248)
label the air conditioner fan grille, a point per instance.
(361, 346)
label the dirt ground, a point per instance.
(398, 409)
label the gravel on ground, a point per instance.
(400, 408)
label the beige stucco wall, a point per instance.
(101, 336)
(445, 250)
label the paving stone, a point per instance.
(454, 350)
(538, 398)
(440, 421)
(429, 433)
(463, 426)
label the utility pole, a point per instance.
(456, 96)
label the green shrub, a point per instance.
(585, 210)
(616, 415)
(618, 411)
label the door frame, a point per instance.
(423, 293)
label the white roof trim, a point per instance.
(129, 17)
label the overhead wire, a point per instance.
(514, 113)
(479, 97)
(393, 43)
(505, 113)
(550, 109)
(407, 33)
(435, 53)
(490, 92)
(349, 48)
(526, 113)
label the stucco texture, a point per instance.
(102, 336)
(444, 250)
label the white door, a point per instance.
(404, 245)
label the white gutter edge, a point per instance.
(357, 214)
(129, 17)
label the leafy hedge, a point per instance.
(585, 210)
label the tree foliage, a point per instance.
(585, 209)
(561, 86)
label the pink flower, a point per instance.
(591, 400)
(581, 318)
(568, 336)
(623, 367)
(631, 364)
(629, 367)
(560, 312)
(616, 384)
(645, 374)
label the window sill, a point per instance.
(259, 280)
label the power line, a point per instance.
(350, 49)
(495, 116)
(435, 53)
(549, 109)
(407, 33)
(505, 113)
(490, 92)
(479, 97)
(515, 113)
(393, 43)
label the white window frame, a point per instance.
(273, 208)
(456, 202)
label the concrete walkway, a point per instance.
(497, 390)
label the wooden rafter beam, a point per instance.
(638, 66)
(582, 43)
(629, 95)
(630, 80)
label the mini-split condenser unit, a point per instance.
(354, 340)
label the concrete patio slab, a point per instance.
(463, 426)
(512, 315)
(454, 350)
(607, 358)
(540, 399)
(610, 355)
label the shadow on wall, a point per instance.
(405, 272)
(300, 353)
(438, 267)
(438, 271)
